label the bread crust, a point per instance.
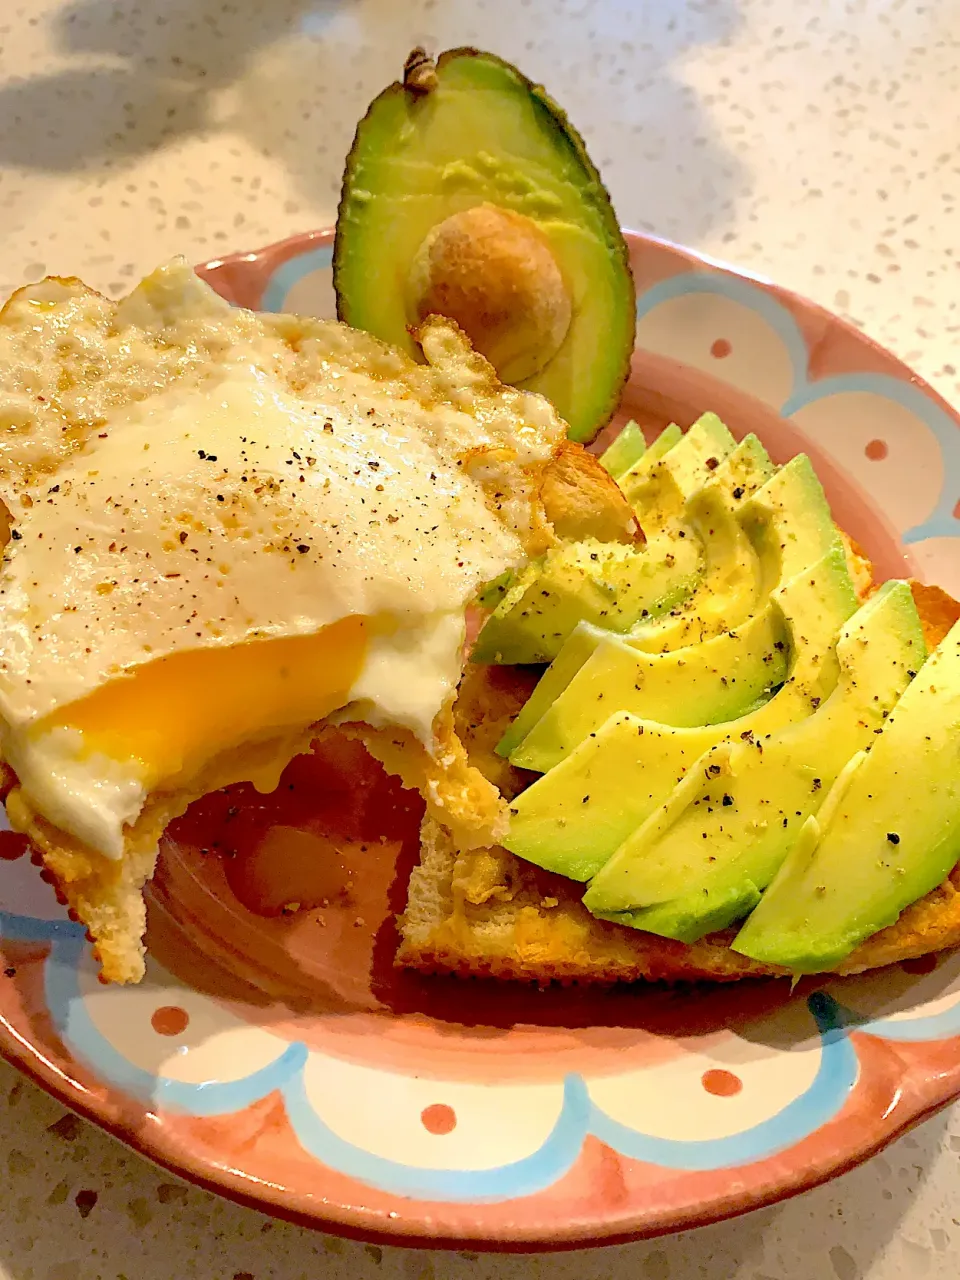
(498, 917)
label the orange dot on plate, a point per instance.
(956, 511)
(876, 450)
(170, 1020)
(721, 349)
(722, 1084)
(438, 1118)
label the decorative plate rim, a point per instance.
(134, 1124)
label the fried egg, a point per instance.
(225, 529)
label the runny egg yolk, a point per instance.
(176, 713)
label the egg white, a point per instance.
(239, 500)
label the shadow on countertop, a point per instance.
(291, 77)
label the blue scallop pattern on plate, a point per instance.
(577, 1117)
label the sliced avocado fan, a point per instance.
(578, 814)
(743, 662)
(468, 193)
(702, 860)
(790, 527)
(626, 679)
(606, 583)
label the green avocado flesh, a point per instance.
(741, 666)
(886, 835)
(478, 132)
(789, 525)
(702, 860)
(658, 492)
(788, 520)
(744, 471)
(730, 588)
(791, 518)
(611, 585)
(575, 817)
(763, 749)
(628, 448)
(606, 583)
(702, 684)
(645, 462)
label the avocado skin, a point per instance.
(887, 834)
(700, 865)
(584, 420)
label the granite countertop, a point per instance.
(807, 140)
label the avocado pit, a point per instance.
(493, 271)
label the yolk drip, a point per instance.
(179, 711)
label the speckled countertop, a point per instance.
(810, 140)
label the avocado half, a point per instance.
(468, 193)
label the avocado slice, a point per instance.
(744, 471)
(789, 523)
(645, 462)
(789, 520)
(614, 588)
(730, 589)
(791, 527)
(703, 684)
(467, 192)
(607, 583)
(702, 860)
(578, 648)
(658, 493)
(727, 594)
(628, 448)
(751, 650)
(491, 595)
(576, 816)
(887, 834)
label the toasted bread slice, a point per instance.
(484, 912)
